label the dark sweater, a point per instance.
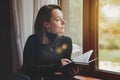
(44, 60)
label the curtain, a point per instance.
(23, 14)
(17, 32)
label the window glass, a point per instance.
(109, 35)
(75, 25)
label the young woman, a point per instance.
(47, 49)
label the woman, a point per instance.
(47, 49)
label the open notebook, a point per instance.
(83, 59)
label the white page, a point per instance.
(83, 58)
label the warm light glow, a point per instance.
(111, 11)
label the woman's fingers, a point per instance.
(78, 69)
(75, 70)
(65, 61)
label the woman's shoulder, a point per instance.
(66, 40)
(34, 37)
(66, 37)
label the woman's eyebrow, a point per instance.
(59, 17)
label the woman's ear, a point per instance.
(46, 24)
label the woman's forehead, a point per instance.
(56, 13)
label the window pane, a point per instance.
(75, 25)
(109, 35)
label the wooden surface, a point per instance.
(86, 78)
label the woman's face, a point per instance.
(57, 23)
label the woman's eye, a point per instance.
(58, 19)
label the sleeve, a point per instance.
(68, 43)
(28, 59)
(69, 51)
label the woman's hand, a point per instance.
(65, 61)
(72, 69)
(75, 70)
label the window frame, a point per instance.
(90, 39)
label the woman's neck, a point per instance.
(51, 36)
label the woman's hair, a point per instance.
(43, 15)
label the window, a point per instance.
(102, 39)
(74, 23)
(109, 35)
(89, 36)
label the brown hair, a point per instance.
(43, 15)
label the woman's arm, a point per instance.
(69, 50)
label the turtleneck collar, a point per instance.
(52, 36)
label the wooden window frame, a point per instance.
(90, 39)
